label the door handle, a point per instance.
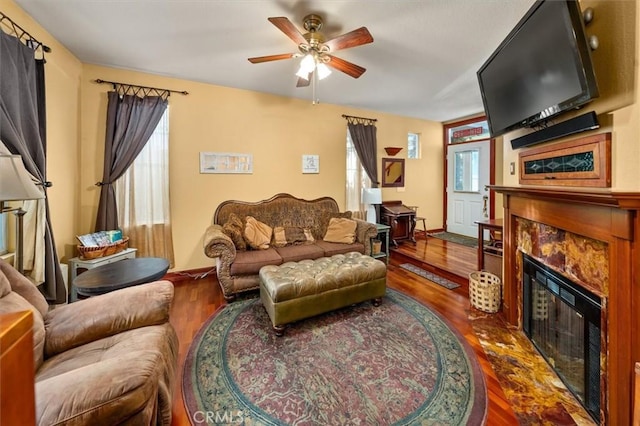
(485, 207)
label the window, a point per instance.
(357, 180)
(3, 233)
(413, 145)
(470, 131)
(142, 195)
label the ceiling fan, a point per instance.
(317, 52)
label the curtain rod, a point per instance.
(358, 118)
(21, 32)
(135, 86)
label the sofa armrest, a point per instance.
(87, 320)
(365, 231)
(218, 244)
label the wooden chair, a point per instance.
(419, 219)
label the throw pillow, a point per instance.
(234, 229)
(326, 217)
(284, 235)
(257, 234)
(341, 230)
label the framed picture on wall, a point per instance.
(225, 162)
(310, 164)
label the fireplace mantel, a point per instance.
(604, 215)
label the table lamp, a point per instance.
(370, 197)
(16, 185)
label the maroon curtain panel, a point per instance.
(131, 121)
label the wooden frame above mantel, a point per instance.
(600, 214)
(582, 162)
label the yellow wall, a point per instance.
(616, 24)
(276, 130)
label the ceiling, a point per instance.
(422, 63)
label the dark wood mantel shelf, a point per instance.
(602, 197)
(605, 215)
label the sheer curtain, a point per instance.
(357, 180)
(142, 197)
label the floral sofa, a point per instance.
(287, 229)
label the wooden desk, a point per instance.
(401, 219)
(490, 256)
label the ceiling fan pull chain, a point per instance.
(314, 82)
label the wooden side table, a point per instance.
(78, 265)
(117, 275)
(17, 376)
(383, 232)
(490, 256)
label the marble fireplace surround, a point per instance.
(590, 236)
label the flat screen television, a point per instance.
(541, 69)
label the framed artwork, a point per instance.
(225, 162)
(392, 172)
(310, 164)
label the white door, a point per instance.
(468, 167)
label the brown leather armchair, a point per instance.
(110, 359)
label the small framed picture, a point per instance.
(310, 164)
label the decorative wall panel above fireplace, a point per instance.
(584, 162)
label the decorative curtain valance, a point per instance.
(142, 91)
(360, 120)
(363, 134)
(11, 28)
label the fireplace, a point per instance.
(589, 237)
(562, 319)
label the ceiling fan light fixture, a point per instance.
(308, 64)
(302, 73)
(323, 71)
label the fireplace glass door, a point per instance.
(562, 319)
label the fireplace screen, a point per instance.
(562, 320)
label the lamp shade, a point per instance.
(15, 182)
(371, 196)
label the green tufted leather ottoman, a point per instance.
(297, 290)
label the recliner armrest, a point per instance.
(101, 316)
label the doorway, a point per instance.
(469, 168)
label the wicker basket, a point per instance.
(484, 291)
(89, 253)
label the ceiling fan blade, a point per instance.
(304, 83)
(351, 39)
(288, 28)
(346, 67)
(260, 59)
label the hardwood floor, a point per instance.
(196, 300)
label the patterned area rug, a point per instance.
(399, 363)
(456, 238)
(430, 276)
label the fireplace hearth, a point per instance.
(562, 320)
(589, 236)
